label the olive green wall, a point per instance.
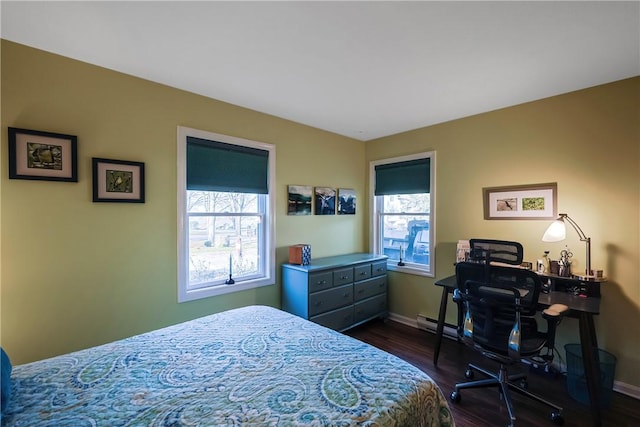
(76, 273)
(589, 143)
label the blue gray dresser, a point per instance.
(338, 292)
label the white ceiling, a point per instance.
(363, 69)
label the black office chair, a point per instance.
(497, 307)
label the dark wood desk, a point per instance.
(582, 308)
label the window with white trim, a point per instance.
(403, 194)
(225, 214)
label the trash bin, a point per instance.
(577, 382)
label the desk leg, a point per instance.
(440, 327)
(591, 358)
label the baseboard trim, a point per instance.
(424, 323)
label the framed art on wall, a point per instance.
(118, 181)
(299, 199)
(41, 155)
(534, 201)
(346, 201)
(325, 199)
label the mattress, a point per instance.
(251, 366)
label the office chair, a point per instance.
(497, 306)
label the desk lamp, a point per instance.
(557, 231)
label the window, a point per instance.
(402, 221)
(225, 214)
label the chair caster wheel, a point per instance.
(455, 397)
(468, 374)
(557, 418)
(524, 384)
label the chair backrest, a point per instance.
(489, 250)
(495, 298)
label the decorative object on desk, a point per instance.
(565, 263)
(346, 201)
(535, 201)
(230, 281)
(118, 181)
(542, 265)
(557, 231)
(400, 262)
(300, 254)
(554, 267)
(325, 199)
(44, 156)
(299, 199)
(462, 251)
(526, 265)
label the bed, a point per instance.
(251, 366)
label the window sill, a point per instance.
(211, 291)
(408, 269)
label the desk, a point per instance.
(582, 308)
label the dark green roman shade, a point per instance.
(410, 177)
(218, 166)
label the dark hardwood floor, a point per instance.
(482, 407)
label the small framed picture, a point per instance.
(44, 156)
(299, 199)
(118, 181)
(325, 201)
(346, 201)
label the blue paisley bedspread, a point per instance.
(252, 366)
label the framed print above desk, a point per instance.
(535, 201)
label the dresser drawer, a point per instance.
(338, 320)
(330, 299)
(370, 308)
(362, 272)
(342, 276)
(320, 281)
(369, 288)
(379, 268)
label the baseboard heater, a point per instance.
(430, 325)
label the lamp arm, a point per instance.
(583, 238)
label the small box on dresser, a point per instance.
(338, 292)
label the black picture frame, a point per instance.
(118, 181)
(43, 156)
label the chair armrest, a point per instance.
(554, 311)
(553, 315)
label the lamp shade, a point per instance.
(556, 232)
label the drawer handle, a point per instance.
(364, 273)
(344, 277)
(380, 269)
(360, 291)
(318, 304)
(346, 295)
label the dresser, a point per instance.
(338, 292)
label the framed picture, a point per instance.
(44, 156)
(535, 201)
(299, 199)
(346, 201)
(325, 199)
(118, 181)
